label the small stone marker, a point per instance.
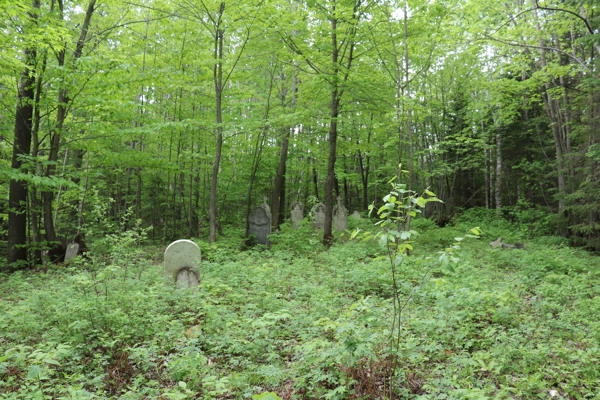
(72, 250)
(340, 216)
(181, 263)
(496, 243)
(259, 223)
(297, 212)
(499, 243)
(318, 213)
(356, 215)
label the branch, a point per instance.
(587, 24)
(127, 23)
(529, 46)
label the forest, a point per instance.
(442, 127)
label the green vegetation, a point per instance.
(126, 125)
(303, 321)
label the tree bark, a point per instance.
(279, 181)
(498, 171)
(552, 114)
(218, 81)
(63, 100)
(17, 197)
(329, 182)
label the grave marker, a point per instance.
(72, 250)
(181, 263)
(259, 223)
(340, 216)
(297, 212)
(318, 213)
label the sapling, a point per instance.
(401, 205)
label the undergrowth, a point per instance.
(299, 321)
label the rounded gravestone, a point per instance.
(318, 214)
(181, 263)
(356, 215)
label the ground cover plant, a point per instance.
(302, 321)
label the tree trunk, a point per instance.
(36, 204)
(17, 197)
(328, 226)
(552, 114)
(409, 111)
(218, 81)
(279, 181)
(498, 171)
(364, 170)
(56, 250)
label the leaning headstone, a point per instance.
(259, 223)
(297, 212)
(340, 216)
(181, 263)
(318, 213)
(356, 215)
(72, 250)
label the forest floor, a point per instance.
(299, 321)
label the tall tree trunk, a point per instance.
(364, 169)
(63, 100)
(409, 110)
(552, 114)
(498, 171)
(17, 197)
(277, 206)
(328, 226)
(257, 153)
(36, 204)
(486, 172)
(218, 81)
(279, 181)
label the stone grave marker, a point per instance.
(297, 212)
(340, 216)
(259, 223)
(356, 215)
(72, 250)
(318, 213)
(181, 263)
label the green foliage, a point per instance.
(305, 321)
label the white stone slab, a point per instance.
(72, 250)
(182, 259)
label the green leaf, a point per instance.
(383, 240)
(34, 372)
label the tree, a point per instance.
(17, 213)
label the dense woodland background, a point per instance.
(183, 114)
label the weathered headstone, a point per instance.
(356, 215)
(297, 212)
(340, 216)
(318, 213)
(259, 223)
(72, 250)
(181, 263)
